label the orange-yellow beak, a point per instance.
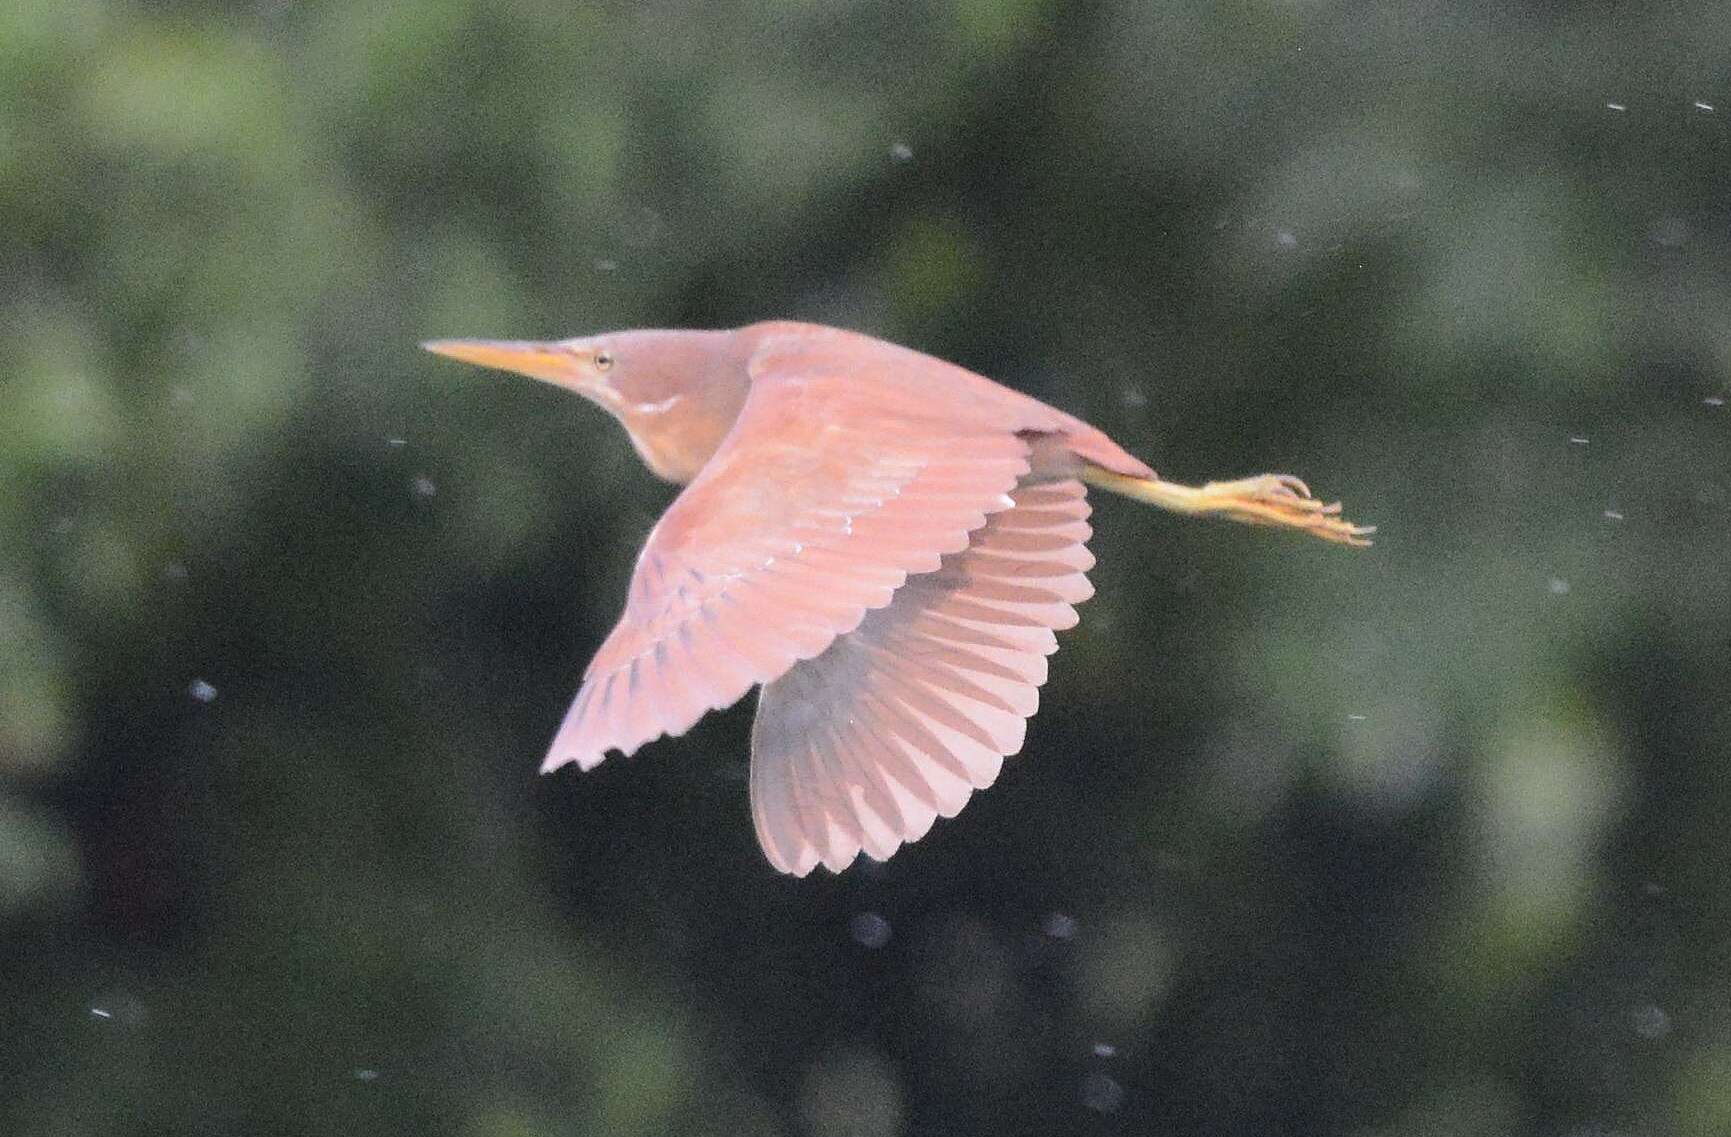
(549, 362)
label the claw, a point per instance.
(1346, 533)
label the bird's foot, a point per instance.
(1280, 500)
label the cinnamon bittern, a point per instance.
(883, 542)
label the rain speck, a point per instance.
(423, 486)
(1701, 106)
(1134, 397)
(1650, 1022)
(1616, 106)
(1613, 515)
(120, 1008)
(1713, 401)
(1105, 1050)
(901, 152)
(1102, 1093)
(869, 930)
(602, 264)
(201, 690)
(1558, 586)
(174, 570)
(1286, 239)
(365, 1075)
(1577, 440)
(396, 441)
(1059, 926)
(1355, 718)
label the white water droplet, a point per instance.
(1650, 1022)
(869, 930)
(1060, 926)
(201, 690)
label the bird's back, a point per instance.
(905, 382)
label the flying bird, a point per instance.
(881, 541)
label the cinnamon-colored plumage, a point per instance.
(883, 541)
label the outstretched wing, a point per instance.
(899, 721)
(840, 479)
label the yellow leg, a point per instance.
(1266, 499)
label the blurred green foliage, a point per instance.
(1425, 840)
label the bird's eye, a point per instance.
(603, 360)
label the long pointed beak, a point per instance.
(545, 361)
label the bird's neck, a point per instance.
(677, 424)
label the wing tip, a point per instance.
(557, 759)
(798, 866)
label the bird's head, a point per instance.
(675, 392)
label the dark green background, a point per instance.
(1430, 839)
